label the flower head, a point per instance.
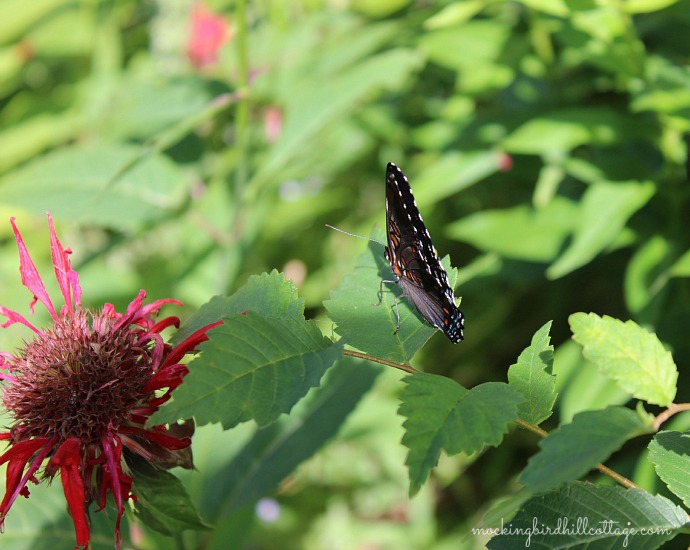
(80, 393)
(207, 35)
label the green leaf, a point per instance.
(670, 453)
(275, 451)
(107, 185)
(629, 354)
(572, 450)
(452, 173)
(442, 415)
(564, 129)
(370, 327)
(522, 232)
(270, 295)
(581, 515)
(310, 108)
(580, 386)
(532, 377)
(604, 211)
(645, 276)
(681, 268)
(252, 367)
(163, 502)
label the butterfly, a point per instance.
(414, 261)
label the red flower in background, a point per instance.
(80, 393)
(208, 33)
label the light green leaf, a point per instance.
(370, 327)
(646, 6)
(629, 354)
(107, 185)
(521, 232)
(442, 415)
(681, 268)
(451, 173)
(564, 129)
(532, 377)
(670, 453)
(454, 14)
(604, 211)
(581, 515)
(572, 450)
(580, 386)
(645, 276)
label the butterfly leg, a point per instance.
(397, 316)
(380, 292)
(395, 303)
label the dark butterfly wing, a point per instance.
(414, 261)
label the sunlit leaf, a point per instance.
(629, 354)
(604, 211)
(107, 185)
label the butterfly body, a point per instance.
(414, 261)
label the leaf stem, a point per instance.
(672, 409)
(624, 481)
(400, 366)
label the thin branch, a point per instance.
(399, 366)
(672, 409)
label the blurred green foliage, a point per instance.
(545, 140)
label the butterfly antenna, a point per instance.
(354, 235)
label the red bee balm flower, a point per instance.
(80, 393)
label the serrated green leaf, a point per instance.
(270, 295)
(275, 451)
(583, 516)
(572, 450)
(107, 185)
(442, 415)
(163, 502)
(670, 453)
(252, 367)
(629, 354)
(532, 377)
(370, 327)
(604, 211)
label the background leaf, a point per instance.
(571, 450)
(106, 185)
(605, 208)
(628, 354)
